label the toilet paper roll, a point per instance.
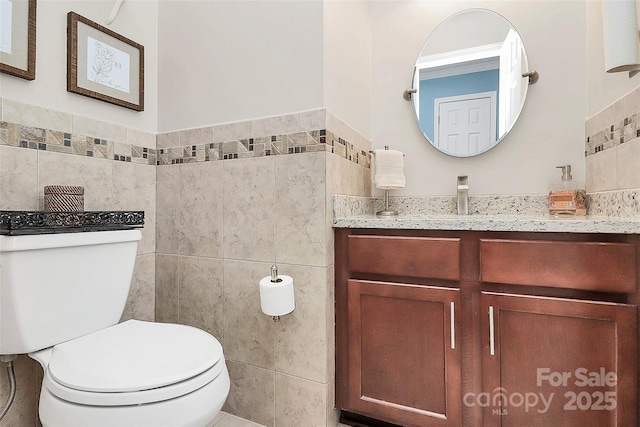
(620, 32)
(276, 298)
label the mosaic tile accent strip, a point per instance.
(347, 150)
(275, 145)
(317, 140)
(16, 135)
(38, 222)
(613, 135)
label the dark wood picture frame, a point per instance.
(11, 63)
(116, 71)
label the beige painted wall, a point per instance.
(224, 61)
(282, 56)
(347, 62)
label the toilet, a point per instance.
(61, 298)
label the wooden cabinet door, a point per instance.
(557, 362)
(404, 364)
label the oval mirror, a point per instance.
(468, 84)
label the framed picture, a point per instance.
(18, 38)
(104, 65)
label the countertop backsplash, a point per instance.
(350, 206)
(617, 204)
(612, 212)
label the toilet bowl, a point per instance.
(134, 374)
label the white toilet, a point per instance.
(61, 297)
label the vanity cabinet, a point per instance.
(437, 328)
(397, 320)
(564, 361)
(403, 364)
(560, 362)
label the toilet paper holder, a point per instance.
(275, 279)
(274, 274)
(276, 294)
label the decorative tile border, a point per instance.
(15, 135)
(347, 150)
(613, 135)
(291, 143)
(613, 138)
(616, 124)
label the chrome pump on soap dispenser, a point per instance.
(567, 197)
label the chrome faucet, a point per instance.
(463, 195)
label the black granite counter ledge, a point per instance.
(39, 222)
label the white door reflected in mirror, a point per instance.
(465, 124)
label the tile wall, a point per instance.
(612, 150)
(114, 164)
(222, 204)
(214, 228)
(222, 224)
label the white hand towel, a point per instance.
(388, 169)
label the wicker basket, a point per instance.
(63, 198)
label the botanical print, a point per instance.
(5, 26)
(107, 65)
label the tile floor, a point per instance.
(227, 420)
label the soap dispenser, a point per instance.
(567, 197)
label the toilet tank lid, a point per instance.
(134, 356)
(60, 240)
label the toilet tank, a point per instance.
(56, 287)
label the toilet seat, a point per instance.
(132, 363)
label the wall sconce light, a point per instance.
(620, 31)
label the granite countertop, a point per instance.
(589, 224)
(492, 213)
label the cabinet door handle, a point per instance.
(453, 325)
(492, 346)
